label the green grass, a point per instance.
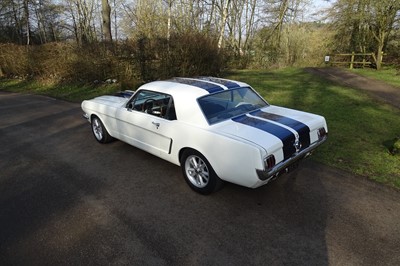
(388, 74)
(362, 130)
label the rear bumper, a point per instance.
(285, 166)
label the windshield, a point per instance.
(230, 103)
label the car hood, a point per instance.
(273, 128)
(110, 100)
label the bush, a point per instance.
(56, 62)
(129, 62)
(396, 147)
(189, 54)
(13, 60)
(297, 45)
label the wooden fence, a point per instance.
(356, 59)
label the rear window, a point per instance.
(224, 105)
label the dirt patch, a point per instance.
(375, 88)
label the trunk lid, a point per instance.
(274, 128)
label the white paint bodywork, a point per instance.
(235, 151)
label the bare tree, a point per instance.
(82, 14)
(40, 19)
(13, 21)
(223, 23)
(364, 24)
(106, 20)
(27, 21)
(169, 23)
(385, 12)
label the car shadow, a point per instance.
(284, 221)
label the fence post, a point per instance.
(374, 57)
(352, 60)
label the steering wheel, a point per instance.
(149, 105)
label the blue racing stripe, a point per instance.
(285, 135)
(210, 87)
(227, 83)
(301, 128)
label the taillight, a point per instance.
(269, 162)
(321, 133)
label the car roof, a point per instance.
(197, 86)
(186, 91)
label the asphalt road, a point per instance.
(65, 199)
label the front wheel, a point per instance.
(198, 173)
(99, 131)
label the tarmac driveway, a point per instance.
(65, 199)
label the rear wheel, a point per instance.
(99, 131)
(198, 173)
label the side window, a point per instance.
(153, 103)
(170, 112)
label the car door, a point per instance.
(143, 121)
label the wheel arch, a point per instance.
(181, 152)
(184, 149)
(232, 159)
(93, 115)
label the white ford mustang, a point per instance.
(215, 129)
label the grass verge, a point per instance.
(362, 130)
(389, 75)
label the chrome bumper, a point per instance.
(283, 167)
(86, 116)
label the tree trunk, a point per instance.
(210, 18)
(380, 39)
(28, 27)
(106, 16)
(379, 56)
(223, 22)
(169, 22)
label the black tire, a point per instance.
(198, 173)
(100, 133)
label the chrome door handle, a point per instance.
(156, 124)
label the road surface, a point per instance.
(67, 200)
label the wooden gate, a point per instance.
(353, 59)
